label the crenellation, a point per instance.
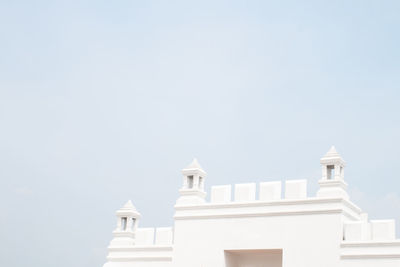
(364, 216)
(144, 236)
(357, 231)
(284, 222)
(245, 192)
(164, 236)
(221, 194)
(364, 230)
(382, 230)
(270, 191)
(296, 189)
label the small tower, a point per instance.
(127, 222)
(192, 191)
(332, 183)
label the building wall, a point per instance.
(306, 240)
(255, 258)
(310, 232)
(259, 228)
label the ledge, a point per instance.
(141, 248)
(370, 243)
(369, 256)
(124, 259)
(347, 208)
(258, 214)
(259, 203)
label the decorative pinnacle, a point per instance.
(332, 156)
(194, 165)
(332, 153)
(193, 168)
(129, 205)
(128, 210)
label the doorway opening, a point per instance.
(253, 258)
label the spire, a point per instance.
(194, 165)
(128, 209)
(194, 168)
(129, 206)
(127, 222)
(192, 191)
(332, 182)
(332, 153)
(332, 157)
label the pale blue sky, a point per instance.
(101, 102)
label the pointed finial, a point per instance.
(332, 150)
(194, 165)
(332, 153)
(332, 156)
(128, 209)
(129, 204)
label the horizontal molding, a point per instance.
(394, 243)
(258, 214)
(352, 206)
(124, 234)
(350, 216)
(369, 256)
(280, 202)
(128, 259)
(140, 248)
(258, 203)
(351, 211)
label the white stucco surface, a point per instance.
(268, 227)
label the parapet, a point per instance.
(221, 194)
(369, 239)
(144, 237)
(374, 230)
(162, 236)
(360, 238)
(274, 198)
(296, 189)
(148, 245)
(245, 192)
(268, 191)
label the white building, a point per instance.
(261, 229)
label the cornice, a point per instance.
(140, 248)
(258, 203)
(258, 214)
(281, 202)
(133, 258)
(369, 256)
(361, 244)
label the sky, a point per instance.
(106, 101)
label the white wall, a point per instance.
(253, 258)
(203, 242)
(310, 232)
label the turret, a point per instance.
(332, 183)
(192, 191)
(127, 222)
